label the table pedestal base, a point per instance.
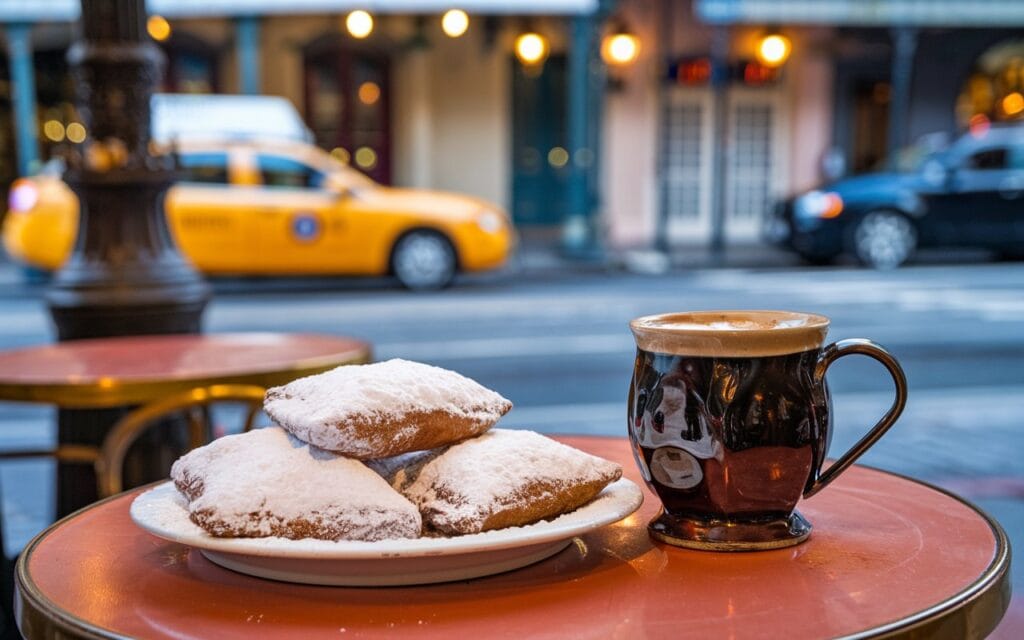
(720, 535)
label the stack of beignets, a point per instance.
(431, 462)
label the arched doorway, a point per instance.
(347, 103)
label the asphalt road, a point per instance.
(558, 346)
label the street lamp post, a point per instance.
(125, 275)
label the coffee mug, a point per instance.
(730, 421)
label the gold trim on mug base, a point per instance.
(721, 535)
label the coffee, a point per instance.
(729, 421)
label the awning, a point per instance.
(910, 13)
(66, 10)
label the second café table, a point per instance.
(114, 372)
(889, 557)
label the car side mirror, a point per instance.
(337, 187)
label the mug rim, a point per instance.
(693, 333)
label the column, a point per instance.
(23, 98)
(580, 233)
(247, 53)
(719, 133)
(904, 44)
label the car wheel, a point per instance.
(423, 260)
(884, 239)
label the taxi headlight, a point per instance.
(819, 204)
(23, 196)
(490, 221)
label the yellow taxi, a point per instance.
(284, 208)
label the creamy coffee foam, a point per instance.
(741, 334)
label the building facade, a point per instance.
(689, 143)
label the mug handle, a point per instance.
(830, 354)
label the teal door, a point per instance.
(540, 162)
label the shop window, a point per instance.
(684, 155)
(995, 89)
(750, 162)
(347, 104)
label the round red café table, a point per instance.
(112, 372)
(91, 381)
(888, 557)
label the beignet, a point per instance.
(503, 478)
(384, 409)
(268, 483)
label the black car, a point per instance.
(969, 195)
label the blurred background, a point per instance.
(540, 172)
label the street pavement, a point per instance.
(555, 341)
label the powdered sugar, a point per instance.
(476, 478)
(358, 409)
(264, 482)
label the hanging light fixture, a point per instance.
(620, 46)
(359, 24)
(773, 50)
(454, 23)
(532, 48)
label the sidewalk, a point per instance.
(539, 255)
(541, 252)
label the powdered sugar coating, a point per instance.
(383, 409)
(268, 483)
(467, 488)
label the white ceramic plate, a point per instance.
(163, 512)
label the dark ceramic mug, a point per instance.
(730, 421)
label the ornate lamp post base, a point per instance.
(125, 276)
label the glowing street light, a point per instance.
(773, 50)
(359, 24)
(454, 23)
(531, 48)
(620, 48)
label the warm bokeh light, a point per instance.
(558, 157)
(53, 130)
(158, 27)
(774, 50)
(369, 92)
(531, 48)
(620, 48)
(76, 132)
(341, 154)
(359, 23)
(454, 23)
(1013, 103)
(978, 125)
(366, 157)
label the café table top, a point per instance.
(888, 557)
(109, 372)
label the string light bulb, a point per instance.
(454, 23)
(359, 24)
(531, 48)
(773, 50)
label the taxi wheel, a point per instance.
(423, 259)
(884, 239)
